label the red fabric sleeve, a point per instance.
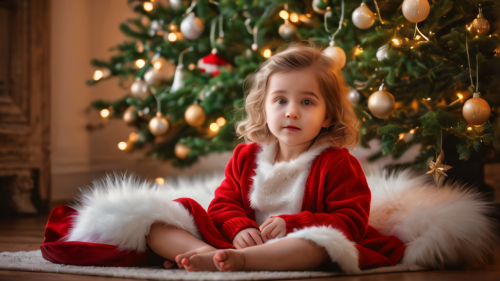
(227, 209)
(346, 198)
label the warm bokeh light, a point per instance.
(396, 42)
(133, 137)
(157, 65)
(191, 66)
(160, 181)
(294, 17)
(98, 75)
(358, 51)
(173, 27)
(460, 96)
(214, 127)
(304, 19)
(221, 121)
(172, 37)
(401, 136)
(417, 37)
(267, 53)
(469, 128)
(148, 6)
(104, 113)
(284, 14)
(412, 131)
(122, 145)
(140, 63)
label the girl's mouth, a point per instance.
(292, 128)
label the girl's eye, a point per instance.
(281, 101)
(307, 102)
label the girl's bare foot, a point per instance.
(168, 264)
(200, 262)
(187, 255)
(229, 260)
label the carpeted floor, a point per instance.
(33, 261)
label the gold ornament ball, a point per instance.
(139, 89)
(195, 115)
(476, 111)
(181, 151)
(337, 54)
(416, 10)
(158, 125)
(381, 104)
(363, 17)
(129, 116)
(480, 25)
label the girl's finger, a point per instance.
(265, 224)
(282, 233)
(275, 232)
(256, 237)
(243, 243)
(266, 232)
(248, 239)
(237, 245)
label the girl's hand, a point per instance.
(247, 237)
(273, 228)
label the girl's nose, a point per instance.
(292, 113)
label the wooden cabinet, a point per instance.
(24, 105)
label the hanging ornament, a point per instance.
(192, 27)
(353, 96)
(315, 6)
(211, 64)
(381, 103)
(416, 10)
(337, 54)
(287, 30)
(139, 89)
(158, 125)
(176, 4)
(476, 110)
(152, 76)
(178, 79)
(480, 25)
(195, 115)
(363, 17)
(438, 169)
(154, 27)
(129, 116)
(181, 151)
(383, 52)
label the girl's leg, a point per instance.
(286, 254)
(174, 243)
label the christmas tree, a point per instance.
(419, 71)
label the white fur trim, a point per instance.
(340, 249)
(447, 226)
(119, 210)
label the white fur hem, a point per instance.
(340, 249)
(120, 210)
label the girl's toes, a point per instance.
(168, 264)
(220, 256)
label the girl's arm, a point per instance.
(346, 199)
(227, 210)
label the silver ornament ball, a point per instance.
(337, 54)
(152, 76)
(139, 89)
(192, 27)
(353, 96)
(315, 7)
(381, 104)
(363, 17)
(287, 30)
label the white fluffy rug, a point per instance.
(33, 261)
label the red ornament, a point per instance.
(211, 64)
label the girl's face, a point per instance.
(294, 100)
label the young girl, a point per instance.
(293, 197)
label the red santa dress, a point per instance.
(322, 196)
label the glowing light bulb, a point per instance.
(160, 181)
(157, 65)
(173, 27)
(214, 127)
(221, 121)
(140, 63)
(294, 17)
(469, 128)
(98, 75)
(191, 66)
(303, 18)
(460, 96)
(417, 37)
(267, 53)
(396, 42)
(358, 51)
(401, 136)
(133, 137)
(172, 37)
(412, 131)
(284, 14)
(104, 113)
(148, 6)
(122, 145)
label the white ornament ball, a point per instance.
(129, 116)
(176, 4)
(416, 10)
(152, 76)
(158, 125)
(316, 9)
(139, 89)
(192, 27)
(408, 137)
(363, 17)
(337, 54)
(287, 30)
(383, 52)
(381, 104)
(353, 96)
(255, 47)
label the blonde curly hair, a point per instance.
(296, 56)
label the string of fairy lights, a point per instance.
(381, 103)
